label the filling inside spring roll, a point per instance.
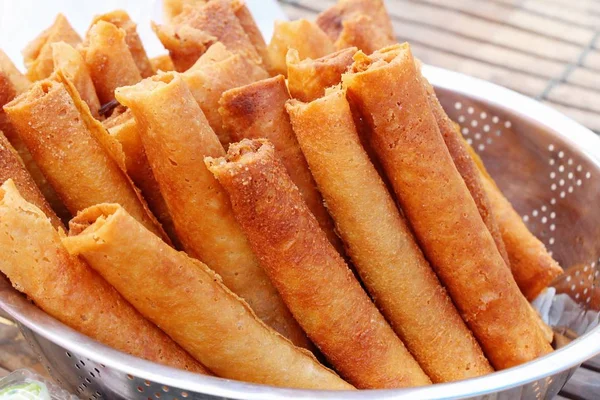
(189, 302)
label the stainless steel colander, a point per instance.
(546, 164)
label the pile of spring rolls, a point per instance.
(301, 214)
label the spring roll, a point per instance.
(74, 151)
(126, 131)
(304, 36)
(38, 53)
(70, 62)
(189, 302)
(246, 20)
(258, 111)
(162, 63)
(172, 8)
(215, 54)
(209, 81)
(121, 19)
(37, 264)
(380, 243)
(13, 75)
(363, 32)
(307, 79)
(440, 209)
(532, 266)
(12, 167)
(109, 60)
(310, 275)
(176, 136)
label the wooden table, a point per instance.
(546, 49)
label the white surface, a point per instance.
(22, 20)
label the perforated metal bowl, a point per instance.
(547, 165)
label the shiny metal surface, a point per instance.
(547, 165)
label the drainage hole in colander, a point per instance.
(68, 354)
(184, 394)
(165, 389)
(140, 389)
(92, 374)
(88, 380)
(130, 377)
(147, 383)
(157, 395)
(77, 366)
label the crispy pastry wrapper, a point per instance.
(307, 79)
(258, 111)
(189, 302)
(172, 8)
(162, 63)
(532, 266)
(304, 36)
(121, 19)
(363, 32)
(72, 65)
(82, 162)
(38, 53)
(176, 137)
(109, 59)
(310, 275)
(444, 217)
(380, 243)
(62, 285)
(13, 75)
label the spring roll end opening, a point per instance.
(238, 155)
(37, 91)
(126, 94)
(92, 219)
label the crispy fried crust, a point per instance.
(304, 36)
(121, 19)
(176, 136)
(38, 53)
(162, 63)
(440, 208)
(381, 245)
(189, 302)
(78, 157)
(72, 65)
(307, 79)
(109, 60)
(312, 278)
(13, 75)
(38, 265)
(258, 111)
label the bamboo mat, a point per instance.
(545, 49)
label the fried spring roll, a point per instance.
(215, 53)
(121, 19)
(38, 53)
(258, 111)
(62, 285)
(13, 75)
(73, 66)
(12, 167)
(74, 151)
(466, 166)
(162, 63)
(184, 43)
(532, 266)
(176, 136)
(126, 131)
(381, 244)
(110, 62)
(188, 300)
(363, 32)
(244, 16)
(440, 209)
(304, 36)
(207, 84)
(312, 278)
(172, 8)
(307, 79)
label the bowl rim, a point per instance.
(572, 355)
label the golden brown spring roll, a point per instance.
(258, 111)
(62, 285)
(74, 151)
(380, 243)
(121, 19)
(363, 32)
(304, 36)
(310, 275)
(110, 62)
(73, 66)
(172, 8)
(162, 63)
(307, 79)
(19, 81)
(465, 166)
(244, 16)
(176, 136)
(126, 131)
(215, 53)
(331, 21)
(197, 28)
(189, 302)
(12, 167)
(532, 266)
(440, 209)
(208, 82)
(38, 53)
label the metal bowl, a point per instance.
(547, 165)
